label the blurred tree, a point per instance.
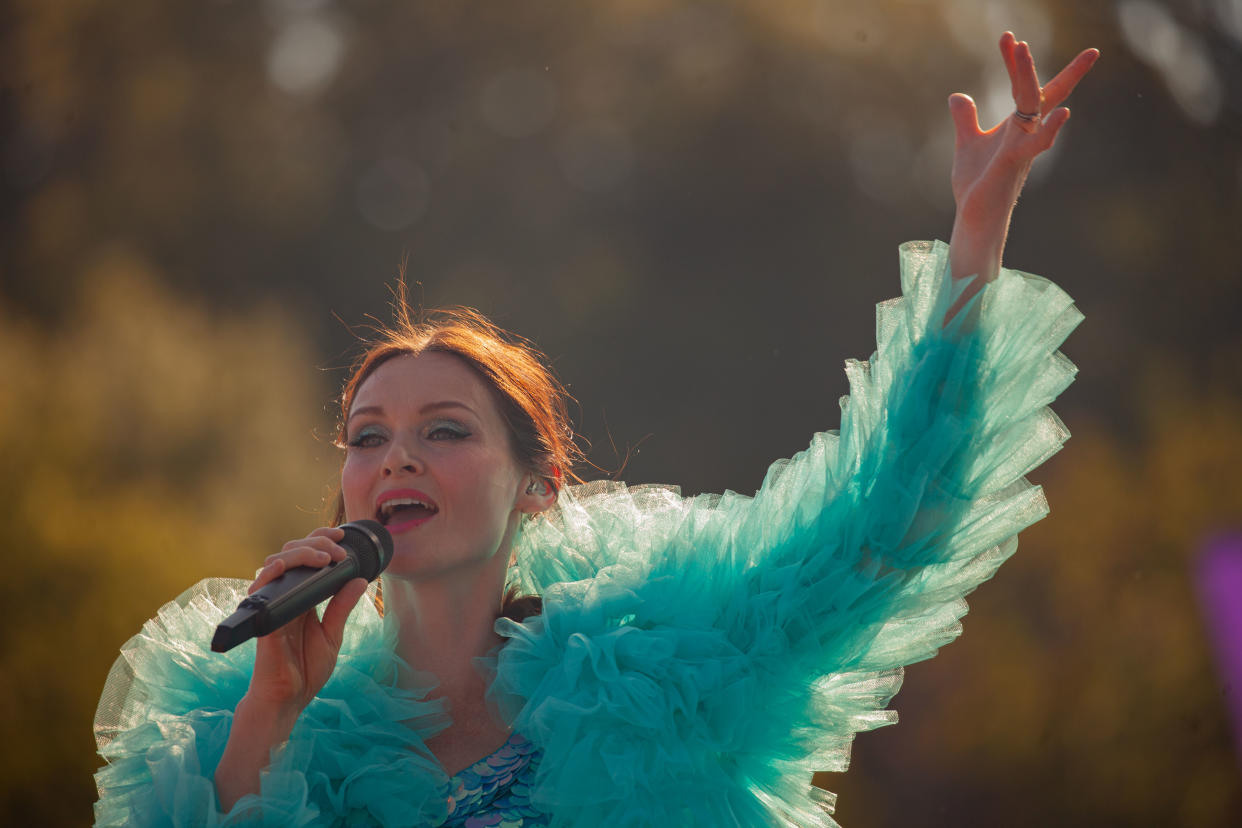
(144, 444)
(1083, 691)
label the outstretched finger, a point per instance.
(965, 117)
(1025, 81)
(1060, 87)
(1047, 135)
(1007, 45)
(337, 612)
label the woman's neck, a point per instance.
(443, 624)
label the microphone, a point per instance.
(368, 549)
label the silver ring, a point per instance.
(1029, 118)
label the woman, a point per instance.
(694, 660)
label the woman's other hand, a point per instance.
(989, 168)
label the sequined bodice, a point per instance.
(495, 791)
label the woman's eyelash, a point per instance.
(364, 439)
(450, 431)
(370, 438)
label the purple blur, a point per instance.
(1220, 590)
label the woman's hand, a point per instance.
(990, 167)
(291, 665)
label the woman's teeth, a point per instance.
(404, 506)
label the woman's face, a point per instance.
(428, 455)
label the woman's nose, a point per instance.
(401, 457)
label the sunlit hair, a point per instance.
(531, 401)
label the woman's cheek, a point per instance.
(353, 490)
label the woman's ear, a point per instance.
(537, 496)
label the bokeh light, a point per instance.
(1177, 54)
(305, 54)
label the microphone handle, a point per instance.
(285, 598)
(279, 602)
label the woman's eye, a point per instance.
(447, 432)
(366, 439)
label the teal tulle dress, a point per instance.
(697, 659)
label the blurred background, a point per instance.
(692, 207)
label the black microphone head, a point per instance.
(372, 544)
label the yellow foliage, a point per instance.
(146, 445)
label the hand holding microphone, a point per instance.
(367, 548)
(296, 651)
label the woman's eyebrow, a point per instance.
(428, 408)
(437, 406)
(366, 409)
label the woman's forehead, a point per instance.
(422, 380)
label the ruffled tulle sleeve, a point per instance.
(697, 659)
(355, 757)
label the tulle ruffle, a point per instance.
(697, 659)
(355, 757)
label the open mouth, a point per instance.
(401, 511)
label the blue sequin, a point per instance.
(495, 791)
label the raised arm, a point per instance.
(879, 531)
(989, 168)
